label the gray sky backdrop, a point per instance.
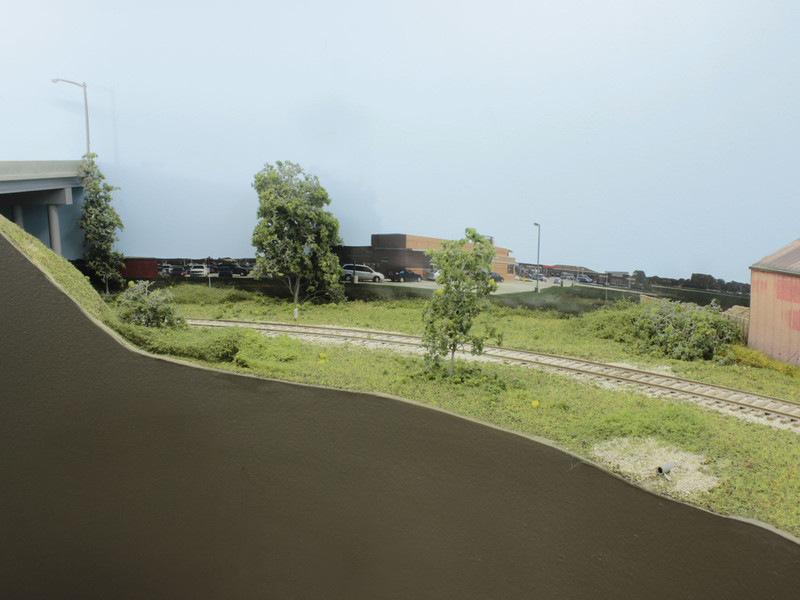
(655, 135)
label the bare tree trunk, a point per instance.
(296, 298)
(450, 365)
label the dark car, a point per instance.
(496, 277)
(225, 271)
(240, 270)
(404, 275)
(178, 272)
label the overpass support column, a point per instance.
(55, 230)
(18, 216)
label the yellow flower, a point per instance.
(534, 404)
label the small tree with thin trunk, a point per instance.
(295, 236)
(465, 276)
(100, 223)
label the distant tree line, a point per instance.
(698, 281)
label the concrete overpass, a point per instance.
(29, 190)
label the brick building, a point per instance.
(394, 251)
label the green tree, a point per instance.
(701, 281)
(100, 223)
(295, 236)
(465, 267)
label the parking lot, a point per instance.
(509, 286)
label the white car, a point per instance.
(198, 271)
(432, 274)
(363, 272)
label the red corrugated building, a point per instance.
(775, 304)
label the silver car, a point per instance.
(363, 272)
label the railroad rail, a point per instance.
(775, 410)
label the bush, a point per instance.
(210, 345)
(615, 321)
(140, 306)
(682, 331)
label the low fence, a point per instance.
(741, 316)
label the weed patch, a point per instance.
(208, 345)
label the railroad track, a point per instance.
(776, 411)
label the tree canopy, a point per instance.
(465, 276)
(295, 236)
(100, 223)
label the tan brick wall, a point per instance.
(394, 251)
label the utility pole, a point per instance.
(538, 246)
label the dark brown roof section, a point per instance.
(785, 260)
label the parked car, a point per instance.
(164, 269)
(363, 272)
(240, 269)
(404, 275)
(539, 276)
(585, 279)
(432, 274)
(225, 271)
(178, 272)
(498, 278)
(198, 271)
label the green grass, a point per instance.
(58, 269)
(546, 330)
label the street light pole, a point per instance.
(538, 247)
(85, 107)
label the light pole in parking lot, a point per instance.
(538, 246)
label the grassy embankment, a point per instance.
(58, 270)
(758, 467)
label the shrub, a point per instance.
(682, 331)
(210, 345)
(615, 321)
(140, 306)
